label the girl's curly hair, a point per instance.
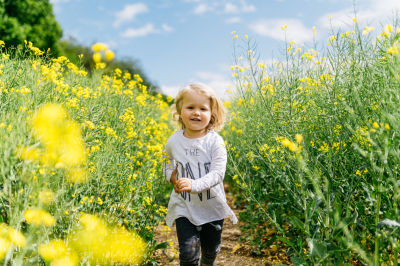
(218, 111)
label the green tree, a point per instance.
(31, 20)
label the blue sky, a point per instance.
(182, 41)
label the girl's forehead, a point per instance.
(194, 96)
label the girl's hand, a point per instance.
(184, 184)
(174, 181)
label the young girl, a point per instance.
(196, 168)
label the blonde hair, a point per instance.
(218, 111)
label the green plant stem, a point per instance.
(378, 203)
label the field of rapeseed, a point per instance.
(80, 162)
(314, 148)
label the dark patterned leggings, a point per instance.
(191, 237)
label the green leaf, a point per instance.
(350, 220)
(162, 245)
(331, 247)
(387, 222)
(298, 261)
(316, 249)
(299, 224)
(285, 241)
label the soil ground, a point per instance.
(232, 253)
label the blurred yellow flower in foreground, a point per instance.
(5, 245)
(12, 235)
(287, 143)
(108, 244)
(39, 217)
(97, 57)
(58, 253)
(299, 138)
(60, 135)
(56, 248)
(77, 175)
(28, 153)
(97, 47)
(109, 55)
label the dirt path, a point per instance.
(231, 254)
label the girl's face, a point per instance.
(196, 113)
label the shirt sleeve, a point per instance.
(217, 169)
(169, 162)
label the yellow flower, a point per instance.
(47, 196)
(28, 154)
(375, 125)
(68, 260)
(286, 142)
(16, 237)
(39, 217)
(97, 57)
(388, 28)
(109, 55)
(9, 128)
(293, 147)
(97, 47)
(354, 19)
(90, 124)
(299, 138)
(126, 247)
(55, 249)
(48, 123)
(387, 127)
(77, 175)
(5, 245)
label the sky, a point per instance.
(179, 42)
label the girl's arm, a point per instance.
(170, 163)
(217, 170)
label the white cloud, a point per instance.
(217, 82)
(129, 13)
(167, 28)
(202, 8)
(140, 32)
(233, 20)
(373, 13)
(170, 90)
(246, 7)
(296, 31)
(231, 8)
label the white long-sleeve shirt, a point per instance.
(203, 160)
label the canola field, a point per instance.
(81, 163)
(313, 146)
(313, 155)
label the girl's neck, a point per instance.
(191, 134)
